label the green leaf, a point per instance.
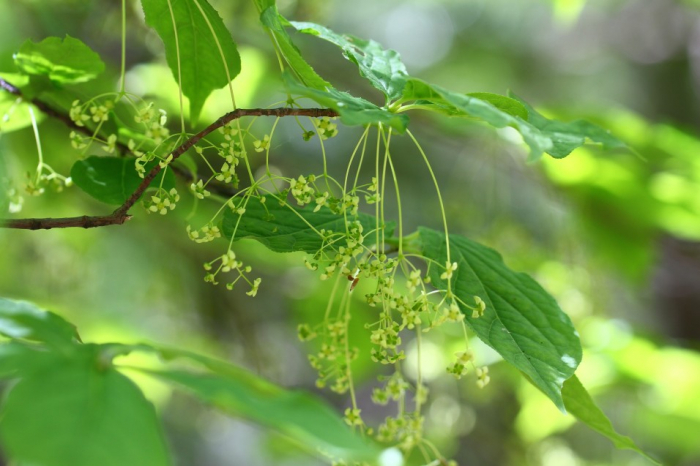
(505, 104)
(435, 103)
(284, 228)
(522, 322)
(275, 23)
(540, 134)
(20, 319)
(64, 61)
(297, 414)
(262, 5)
(566, 137)
(580, 404)
(481, 109)
(383, 68)
(14, 110)
(353, 110)
(80, 412)
(201, 64)
(112, 179)
(18, 358)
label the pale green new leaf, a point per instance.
(522, 322)
(274, 22)
(284, 228)
(14, 110)
(353, 110)
(383, 68)
(64, 61)
(80, 411)
(24, 320)
(112, 179)
(580, 404)
(192, 48)
(503, 103)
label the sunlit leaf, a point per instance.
(21, 319)
(191, 49)
(580, 404)
(14, 110)
(284, 228)
(383, 68)
(80, 412)
(566, 137)
(64, 61)
(112, 179)
(262, 5)
(275, 23)
(297, 414)
(353, 110)
(540, 134)
(503, 103)
(522, 322)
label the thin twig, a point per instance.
(85, 221)
(120, 215)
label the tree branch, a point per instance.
(85, 221)
(120, 215)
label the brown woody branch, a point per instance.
(120, 215)
(85, 221)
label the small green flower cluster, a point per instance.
(305, 191)
(326, 128)
(406, 430)
(162, 201)
(205, 234)
(38, 182)
(394, 389)
(13, 196)
(333, 358)
(227, 263)
(90, 111)
(96, 111)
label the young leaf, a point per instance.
(522, 322)
(284, 228)
(566, 137)
(112, 179)
(297, 414)
(478, 108)
(14, 111)
(580, 404)
(438, 105)
(503, 103)
(274, 22)
(64, 61)
(353, 110)
(383, 68)
(80, 412)
(540, 134)
(23, 320)
(192, 49)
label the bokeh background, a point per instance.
(614, 236)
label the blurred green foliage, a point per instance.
(613, 236)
